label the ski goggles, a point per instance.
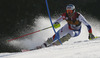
(69, 11)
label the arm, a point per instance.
(59, 19)
(84, 21)
(56, 23)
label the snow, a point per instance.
(78, 47)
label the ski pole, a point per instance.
(29, 34)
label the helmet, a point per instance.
(70, 8)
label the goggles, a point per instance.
(69, 11)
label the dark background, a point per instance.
(16, 15)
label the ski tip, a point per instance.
(97, 37)
(24, 50)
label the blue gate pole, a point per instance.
(51, 21)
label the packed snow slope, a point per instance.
(78, 47)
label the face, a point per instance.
(70, 13)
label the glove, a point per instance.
(56, 25)
(91, 36)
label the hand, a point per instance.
(91, 36)
(56, 25)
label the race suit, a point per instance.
(73, 26)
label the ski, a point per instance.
(97, 37)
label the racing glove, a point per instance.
(91, 36)
(56, 25)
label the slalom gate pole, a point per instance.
(28, 34)
(51, 20)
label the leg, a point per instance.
(65, 34)
(63, 39)
(74, 33)
(62, 33)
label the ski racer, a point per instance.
(72, 28)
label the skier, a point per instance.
(71, 29)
